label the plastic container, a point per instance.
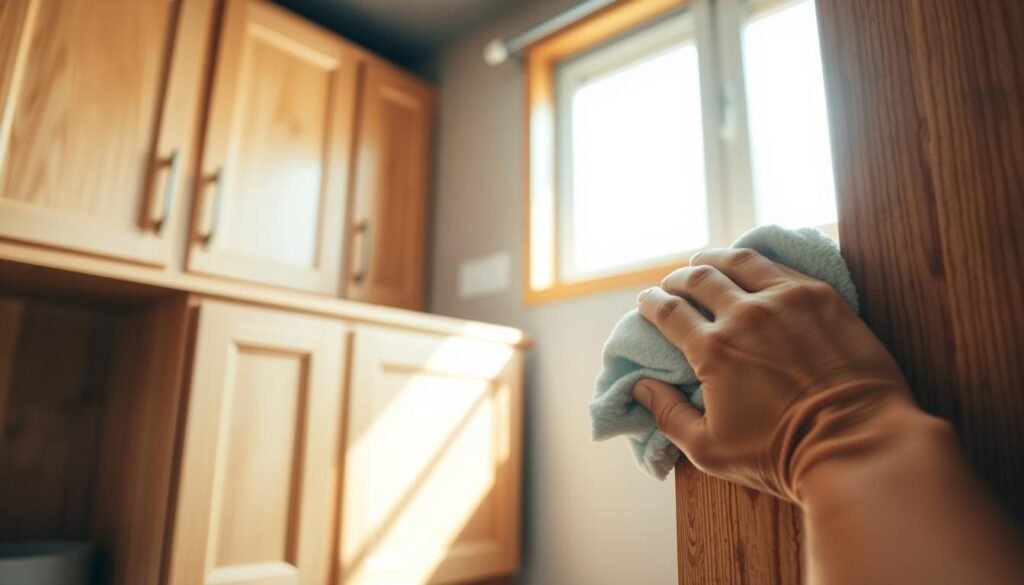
(45, 563)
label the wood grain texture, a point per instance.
(82, 115)
(926, 102)
(729, 534)
(257, 490)
(389, 219)
(927, 111)
(275, 169)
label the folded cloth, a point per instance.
(636, 349)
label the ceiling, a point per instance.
(405, 31)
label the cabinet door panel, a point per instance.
(257, 487)
(390, 196)
(276, 157)
(97, 98)
(432, 459)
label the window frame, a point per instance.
(541, 157)
(731, 204)
(636, 46)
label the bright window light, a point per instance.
(638, 144)
(633, 179)
(789, 141)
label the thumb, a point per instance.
(683, 424)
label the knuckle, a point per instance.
(809, 292)
(668, 308)
(715, 344)
(673, 277)
(742, 256)
(698, 274)
(796, 293)
(755, 311)
(819, 288)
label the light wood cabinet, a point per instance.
(313, 163)
(388, 227)
(432, 462)
(97, 103)
(208, 442)
(257, 490)
(271, 197)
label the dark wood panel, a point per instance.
(729, 534)
(927, 112)
(51, 428)
(926, 103)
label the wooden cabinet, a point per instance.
(314, 156)
(204, 438)
(432, 462)
(257, 494)
(97, 102)
(388, 227)
(198, 441)
(274, 177)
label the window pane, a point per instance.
(792, 160)
(637, 186)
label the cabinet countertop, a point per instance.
(105, 278)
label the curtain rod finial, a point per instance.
(496, 52)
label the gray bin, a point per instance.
(45, 563)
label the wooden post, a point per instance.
(926, 106)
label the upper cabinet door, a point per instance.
(257, 489)
(270, 201)
(97, 99)
(388, 226)
(432, 461)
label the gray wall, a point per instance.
(592, 518)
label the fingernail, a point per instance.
(643, 395)
(643, 294)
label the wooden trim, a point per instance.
(134, 499)
(85, 271)
(540, 127)
(564, 290)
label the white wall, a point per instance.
(592, 518)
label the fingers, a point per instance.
(675, 416)
(704, 285)
(746, 267)
(674, 316)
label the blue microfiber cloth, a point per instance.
(636, 349)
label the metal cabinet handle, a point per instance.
(212, 216)
(170, 165)
(362, 230)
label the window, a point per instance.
(660, 127)
(652, 82)
(785, 96)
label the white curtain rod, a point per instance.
(499, 50)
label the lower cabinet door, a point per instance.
(257, 492)
(432, 460)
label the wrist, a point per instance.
(900, 448)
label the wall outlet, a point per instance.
(485, 275)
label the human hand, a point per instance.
(791, 375)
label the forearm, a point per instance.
(913, 513)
